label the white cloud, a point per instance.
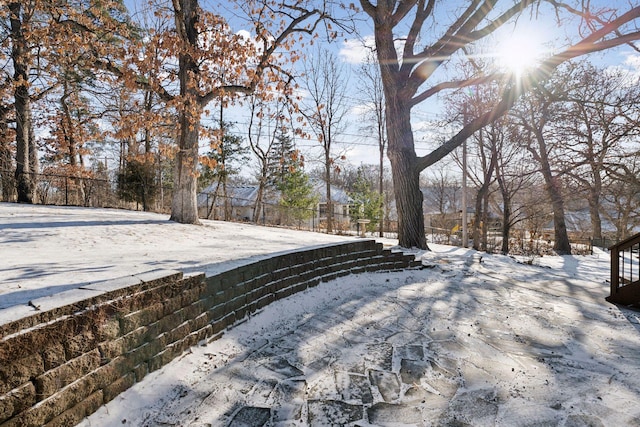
(630, 67)
(633, 62)
(354, 51)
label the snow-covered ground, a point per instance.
(49, 249)
(473, 339)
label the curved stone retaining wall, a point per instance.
(64, 356)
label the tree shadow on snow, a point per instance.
(420, 347)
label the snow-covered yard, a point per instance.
(473, 339)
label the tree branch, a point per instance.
(515, 89)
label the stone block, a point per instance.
(81, 343)
(213, 285)
(283, 293)
(230, 278)
(189, 296)
(141, 371)
(334, 413)
(262, 280)
(66, 398)
(110, 372)
(203, 333)
(159, 277)
(178, 333)
(138, 337)
(241, 312)
(142, 317)
(17, 400)
(199, 322)
(112, 349)
(17, 317)
(412, 371)
(73, 416)
(165, 356)
(208, 302)
(145, 352)
(109, 329)
(65, 302)
(172, 305)
(385, 414)
(241, 289)
(387, 383)
(193, 310)
(16, 373)
(265, 300)
(218, 312)
(53, 356)
(115, 287)
(172, 321)
(52, 381)
(251, 416)
(118, 386)
(236, 303)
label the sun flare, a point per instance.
(518, 53)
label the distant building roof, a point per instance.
(245, 195)
(241, 195)
(338, 195)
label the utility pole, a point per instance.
(465, 234)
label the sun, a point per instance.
(519, 52)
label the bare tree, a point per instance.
(536, 115)
(325, 110)
(622, 194)
(443, 191)
(514, 176)
(603, 116)
(371, 87)
(432, 41)
(262, 137)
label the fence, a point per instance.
(69, 190)
(269, 213)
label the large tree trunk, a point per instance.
(561, 239)
(25, 177)
(506, 225)
(594, 206)
(184, 204)
(381, 182)
(562, 245)
(406, 177)
(401, 149)
(506, 211)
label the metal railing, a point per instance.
(625, 272)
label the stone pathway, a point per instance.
(380, 379)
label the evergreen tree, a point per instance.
(137, 183)
(221, 163)
(296, 194)
(224, 160)
(284, 158)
